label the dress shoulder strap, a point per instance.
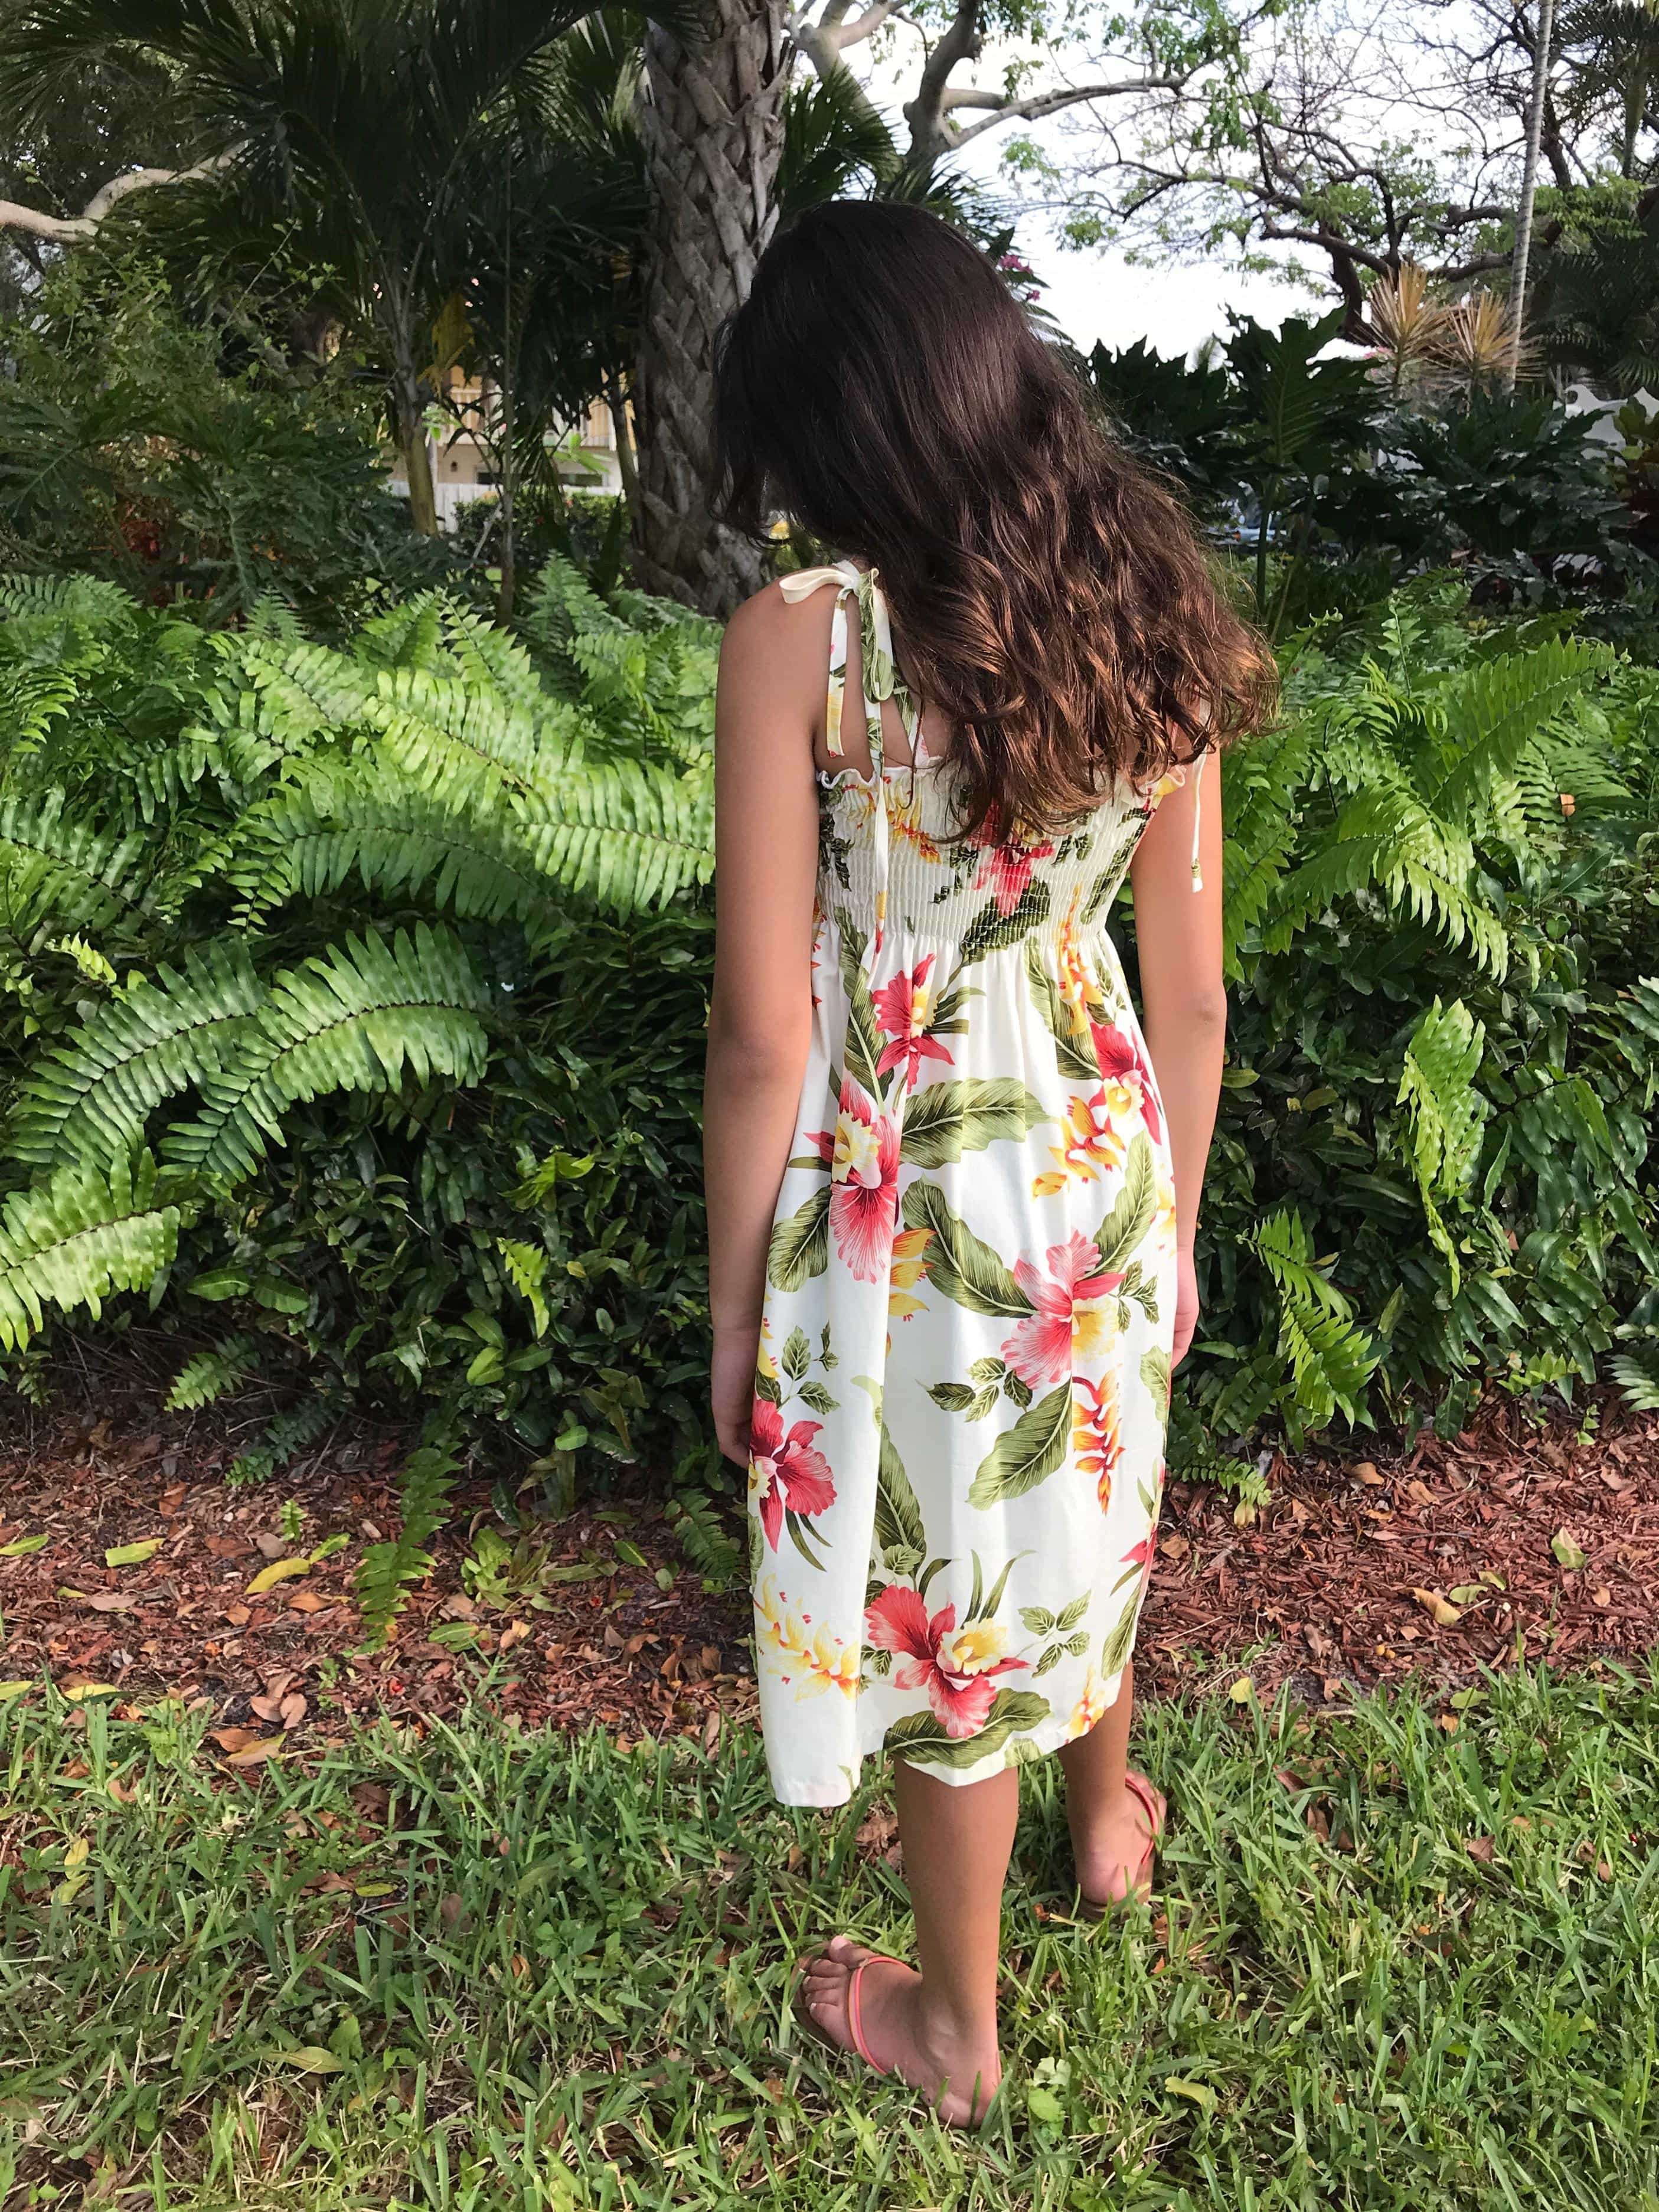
(880, 678)
(801, 586)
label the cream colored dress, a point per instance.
(964, 1371)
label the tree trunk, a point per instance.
(409, 409)
(712, 118)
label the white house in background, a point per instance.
(586, 451)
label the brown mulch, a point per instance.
(1349, 1578)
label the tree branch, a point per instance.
(1038, 103)
(75, 229)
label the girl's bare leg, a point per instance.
(936, 2029)
(1109, 1824)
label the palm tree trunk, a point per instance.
(712, 116)
(408, 423)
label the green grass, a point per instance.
(1373, 2018)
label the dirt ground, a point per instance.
(1513, 1541)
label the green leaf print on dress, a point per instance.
(951, 1542)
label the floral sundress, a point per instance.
(964, 1383)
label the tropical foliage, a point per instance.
(353, 996)
(325, 1027)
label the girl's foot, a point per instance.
(957, 2071)
(1114, 1845)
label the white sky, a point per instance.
(1102, 295)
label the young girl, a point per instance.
(952, 1182)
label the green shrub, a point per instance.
(354, 999)
(170, 457)
(1433, 1165)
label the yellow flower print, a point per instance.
(904, 816)
(1164, 1216)
(909, 1265)
(811, 1659)
(766, 1362)
(1091, 1707)
(1079, 993)
(974, 1649)
(1093, 1134)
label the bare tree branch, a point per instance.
(75, 229)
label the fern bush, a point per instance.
(1433, 1166)
(354, 995)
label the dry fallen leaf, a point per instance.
(1602, 1596)
(252, 1754)
(1367, 1473)
(1482, 1848)
(307, 1601)
(238, 1614)
(1439, 1607)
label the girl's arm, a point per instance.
(1183, 1004)
(766, 829)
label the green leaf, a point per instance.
(133, 1555)
(958, 1264)
(943, 1120)
(898, 1522)
(918, 1738)
(20, 1546)
(1132, 1211)
(1027, 1454)
(801, 1246)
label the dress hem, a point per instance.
(1026, 1750)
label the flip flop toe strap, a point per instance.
(855, 2008)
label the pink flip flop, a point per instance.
(855, 2013)
(1094, 1908)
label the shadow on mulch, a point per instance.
(1512, 1542)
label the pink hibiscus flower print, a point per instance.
(956, 1667)
(786, 1475)
(864, 1185)
(1067, 1323)
(1121, 1060)
(903, 1009)
(1008, 865)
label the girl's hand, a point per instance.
(732, 1387)
(1186, 1311)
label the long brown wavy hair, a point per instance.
(881, 389)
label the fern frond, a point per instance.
(87, 1232)
(59, 877)
(357, 1018)
(1447, 1114)
(626, 835)
(1494, 710)
(92, 1097)
(389, 1571)
(441, 732)
(210, 1375)
(1331, 1357)
(526, 1270)
(367, 820)
(1387, 838)
(1638, 1378)
(288, 1434)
